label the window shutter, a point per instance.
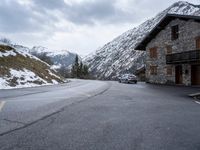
(198, 43)
(168, 49)
(169, 70)
(153, 52)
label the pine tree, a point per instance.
(85, 70)
(76, 63)
(75, 68)
(73, 72)
(79, 70)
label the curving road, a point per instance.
(95, 115)
(21, 107)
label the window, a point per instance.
(169, 70)
(174, 32)
(168, 49)
(153, 52)
(198, 43)
(153, 70)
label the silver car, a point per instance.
(127, 78)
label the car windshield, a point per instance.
(132, 76)
(128, 76)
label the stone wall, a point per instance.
(188, 32)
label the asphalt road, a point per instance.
(106, 116)
(22, 107)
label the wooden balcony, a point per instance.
(184, 57)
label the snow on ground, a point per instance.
(3, 83)
(54, 67)
(55, 82)
(8, 53)
(24, 78)
(17, 50)
(25, 52)
(60, 52)
(50, 52)
(52, 74)
(59, 58)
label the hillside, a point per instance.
(119, 56)
(20, 69)
(61, 58)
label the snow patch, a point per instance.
(3, 83)
(52, 74)
(55, 82)
(56, 66)
(24, 78)
(119, 55)
(8, 53)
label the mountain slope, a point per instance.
(62, 58)
(20, 69)
(119, 55)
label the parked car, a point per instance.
(127, 78)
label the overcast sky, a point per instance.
(80, 26)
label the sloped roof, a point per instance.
(161, 25)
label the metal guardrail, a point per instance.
(184, 57)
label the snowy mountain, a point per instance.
(61, 58)
(20, 69)
(119, 56)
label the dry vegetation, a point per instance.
(20, 62)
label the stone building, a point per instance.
(173, 51)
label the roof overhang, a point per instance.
(161, 25)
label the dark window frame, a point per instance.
(153, 70)
(174, 32)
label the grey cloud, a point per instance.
(39, 17)
(18, 18)
(15, 17)
(50, 4)
(90, 12)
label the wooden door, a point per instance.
(195, 74)
(179, 75)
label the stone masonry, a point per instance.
(188, 32)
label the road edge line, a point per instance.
(2, 104)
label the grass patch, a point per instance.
(4, 48)
(20, 62)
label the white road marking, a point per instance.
(2, 103)
(194, 94)
(84, 94)
(197, 102)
